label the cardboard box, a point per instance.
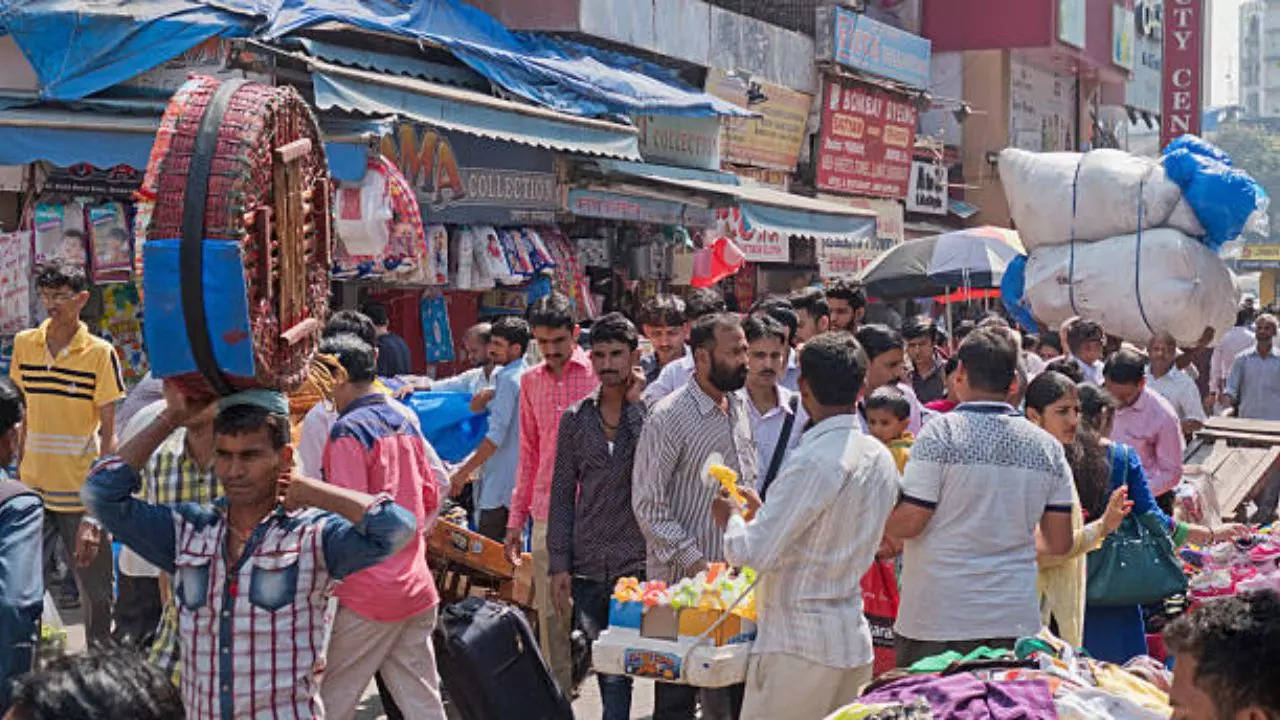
(734, 629)
(660, 623)
(626, 614)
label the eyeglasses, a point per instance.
(54, 298)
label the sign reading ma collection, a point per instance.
(463, 179)
(867, 139)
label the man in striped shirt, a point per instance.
(705, 421)
(71, 381)
(811, 542)
(254, 572)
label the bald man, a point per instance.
(1173, 384)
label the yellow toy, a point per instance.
(728, 479)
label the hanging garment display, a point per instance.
(490, 250)
(60, 233)
(121, 325)
(111, 242)
(466, 269)
(15, 282)
(436, 335)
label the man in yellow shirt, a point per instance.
(71, 381)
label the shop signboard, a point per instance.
(1259, 257)
(686, 141)
(890, 216)
(634, 208)
(865, 44)
(459, 178)
(772, 140)
(843, 258)
(927, 192)
(1041, 108)
(1143, 89)
(1072, 20)
(868, 135)
(1183, 37)
(1122, 36)
(119, 182)
(212, 57)
(757, 244)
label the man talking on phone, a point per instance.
(592, 535)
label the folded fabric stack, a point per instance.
(1128, 241)
(1228, 568)
(1042, 679)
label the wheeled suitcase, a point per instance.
(491, 667)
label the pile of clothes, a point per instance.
(1041, 679)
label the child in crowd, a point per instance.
(888, 413)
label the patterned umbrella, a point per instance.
(937, 265)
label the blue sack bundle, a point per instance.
(448, 423)
(1222, 197)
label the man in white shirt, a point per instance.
(1235, 341)
(771, 407)
(1173, 384)
(985, 490)
(811, 543)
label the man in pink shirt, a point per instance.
(386, 613)
(563, 378)
(1147, 422)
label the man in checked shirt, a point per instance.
(253, 572)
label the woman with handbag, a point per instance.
(1053, 403)
(1137, 564)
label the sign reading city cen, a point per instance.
(1183, 38)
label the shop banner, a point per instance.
(119, 182)
(860, 42)
(1143, 89)
(868, 136)
(757, 244)
(685, 141)
(634, 208)
(1259, 257)
(1072, 21)
(15, 282)
(1041, 107)
(463, 179)
(772, 140)
(843, 258)
(1183, 69)
(927, 192)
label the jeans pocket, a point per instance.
(274, 582)
(191, 582)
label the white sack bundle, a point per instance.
(1038, 188)
(1184, 286)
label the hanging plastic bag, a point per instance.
(363, 214)
(1222, 197)
(448, 423)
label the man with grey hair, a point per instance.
(1174, 385)
(1254, 382)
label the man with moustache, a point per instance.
(777, 417)
(671, 493)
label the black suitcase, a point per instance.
(491, 667)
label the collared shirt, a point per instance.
(1237, 340)
(498, 477)
(674, 375)
(253, 634)
(1092, 373)
(64, 397)
(813, 541)
(171, 477)
(932, 386)
(989, 475)
(543, 399)
(373, 449)
(1180, 390)
(670, 492)
(791, 376)
(591, 528)
(1151, 426)
(21, 582)
(766, 428)
(1254, 384)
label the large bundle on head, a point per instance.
(235, 267)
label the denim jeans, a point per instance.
(591, 611)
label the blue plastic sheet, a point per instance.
(1222, 196)
(1012, 289)
(448, 423)
(77, 49)
(164, 326)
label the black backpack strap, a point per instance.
(781, 448)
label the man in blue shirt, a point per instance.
(21, 580)
(500, 449)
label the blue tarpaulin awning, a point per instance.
(66, 137)
(761, 207)
(451, 108)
